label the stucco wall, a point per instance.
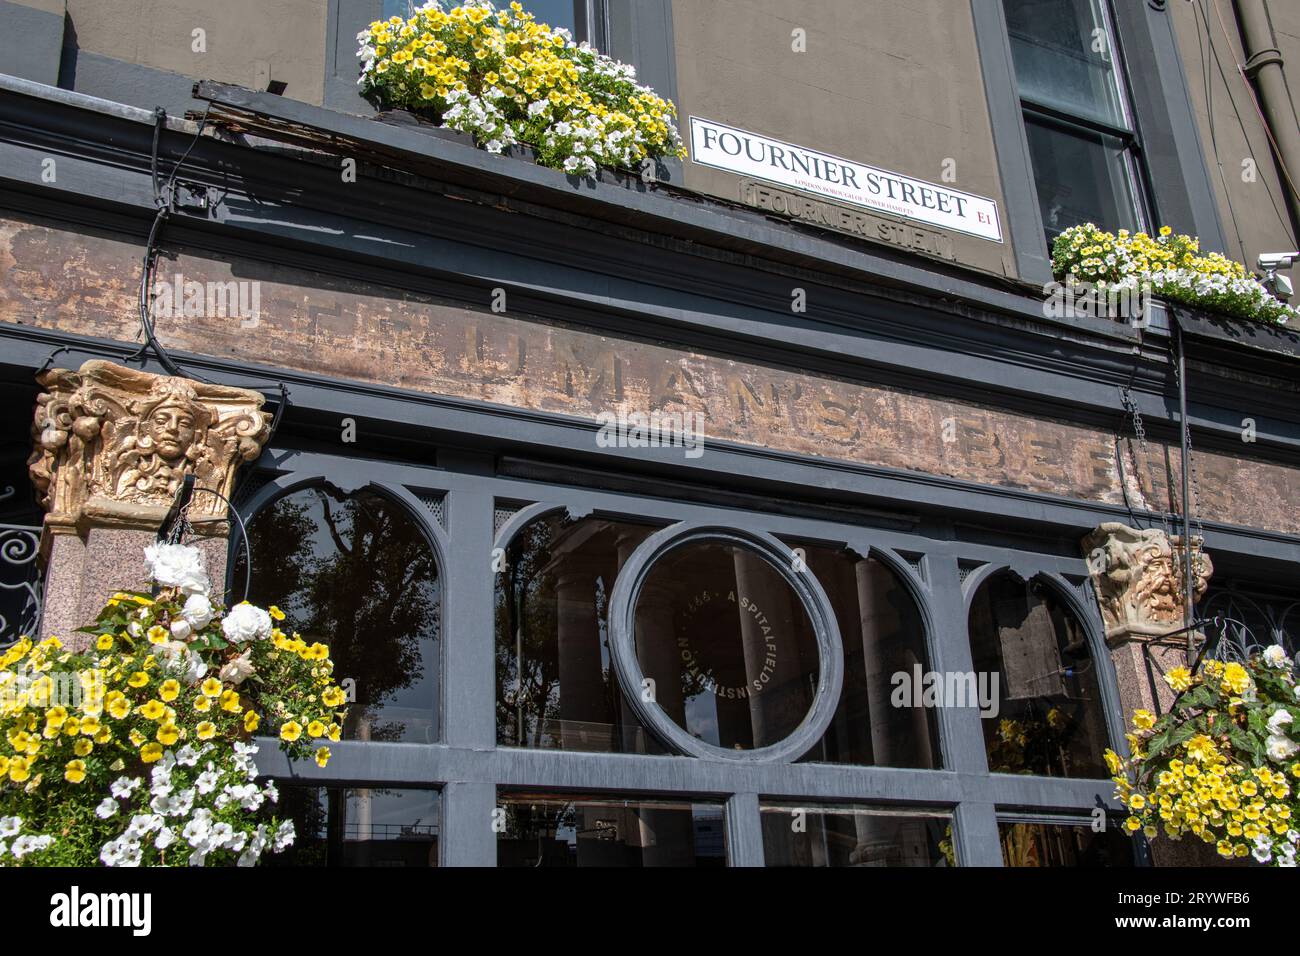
(889, 83)
(1254, 214)
(248, 42)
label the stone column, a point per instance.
(113, 445)
(1138, 583)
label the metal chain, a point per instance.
(1192, 506)
(1139, 430)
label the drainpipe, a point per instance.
(1264, 66)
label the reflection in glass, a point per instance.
(360, 827)
(1063, 844)
(556, 685)
(356, 572)
(1064, 57)
(728, 644)
(805, 835)
(557, 830)
(883, 636)
(1081, 176)
(1050, 719)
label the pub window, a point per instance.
(560, 830)
(556, 682)
(359, 826)
(1029, 842)
(803, 835)
(356, 572)
(1049, 718)
(883, 637)
(1080, 128)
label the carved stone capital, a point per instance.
(112, 445)
(1137, 574)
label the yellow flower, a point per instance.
(1133, 824)
(169, 690)
(19, 769)
(316, 729)
(75, 771)
(136, 737)
(202, 704)
(275, 612)
(168, 734)
(333, 697)
(291, 731)
(117, 704)
(1143, 719)
(211, 687)
(105, 642)
(83, 747)
(1236, 678)
(251, 720)
(335, 732)
(151, 753)
(153, 710)
(1180, 678)
(206, 730)
(322, 756)
(138, 679)
(230, 702)
(1165, 230)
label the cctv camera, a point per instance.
(1272, 261)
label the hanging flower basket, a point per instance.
(138, 750)
(1223, 765)
(507, 80)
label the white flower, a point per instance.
(238, 670)
(9, 826)
(199, 857)
(29, 844)
(198, 611)
(187, 756)
(1278, 721)
(177, 566)
(196, 831)
(207, 781)
(284, 836)
(122, 787)
(181, 629)
(221, 834)
(1280, 748)
(106, 808)
(164, 839)
(1276, 656)
(246, 622)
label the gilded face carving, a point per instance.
(172, 429)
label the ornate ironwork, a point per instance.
(1244, 623)
(21, 581)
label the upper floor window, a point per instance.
(1082, 138)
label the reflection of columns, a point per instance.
(582, 682)
(877, 665)
(771, 650)
(655, 642)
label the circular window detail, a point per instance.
(732, 651)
